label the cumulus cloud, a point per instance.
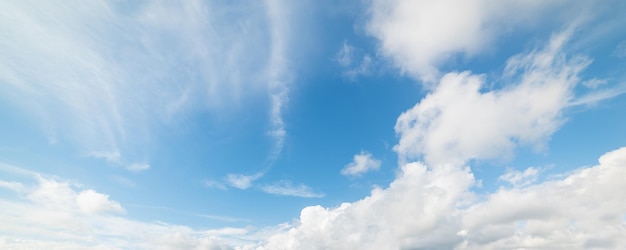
(416, 210)
(583, 210)
(461, 120)
(287, 188)
(420, 36)
(55, 214)
(362, 163)
(90, 201)
(431, 206)
(61, 196)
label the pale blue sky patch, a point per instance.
(383, 124)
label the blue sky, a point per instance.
(383, 124)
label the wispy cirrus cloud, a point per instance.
(241, 181)
(102, 75)
(354, 61)
(287, 188)
(278, 79)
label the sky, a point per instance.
(363, 124)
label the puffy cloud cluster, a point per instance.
(584, 210)
(461, 120)
(52, 214)
(431, 206)
(60, 195)
(416, 210)
(433, 209)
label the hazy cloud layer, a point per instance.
(114, 71)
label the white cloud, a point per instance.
(215, 184)
(431, 206)
(61, 196)
(345, 55)
(138, 166)
(599, 95)
(594, 83)
(279, 77)
(416, 210)
(102, 76)
(53, 214)
(353, 61)
(461, 120)
(287, 188)
(420, 36)
(362, 163)
(12, 185)
(92, 202)
(583, 210)
(517, 178)
(241, 181)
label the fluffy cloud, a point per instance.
(419, 36)
(362, 163)
(90, 201)
(426, 208)
(431, 206)
(60, 195)
(461, 120)
(53, 214)
(584, 210)
(415, 210)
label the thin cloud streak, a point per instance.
(287, 188)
